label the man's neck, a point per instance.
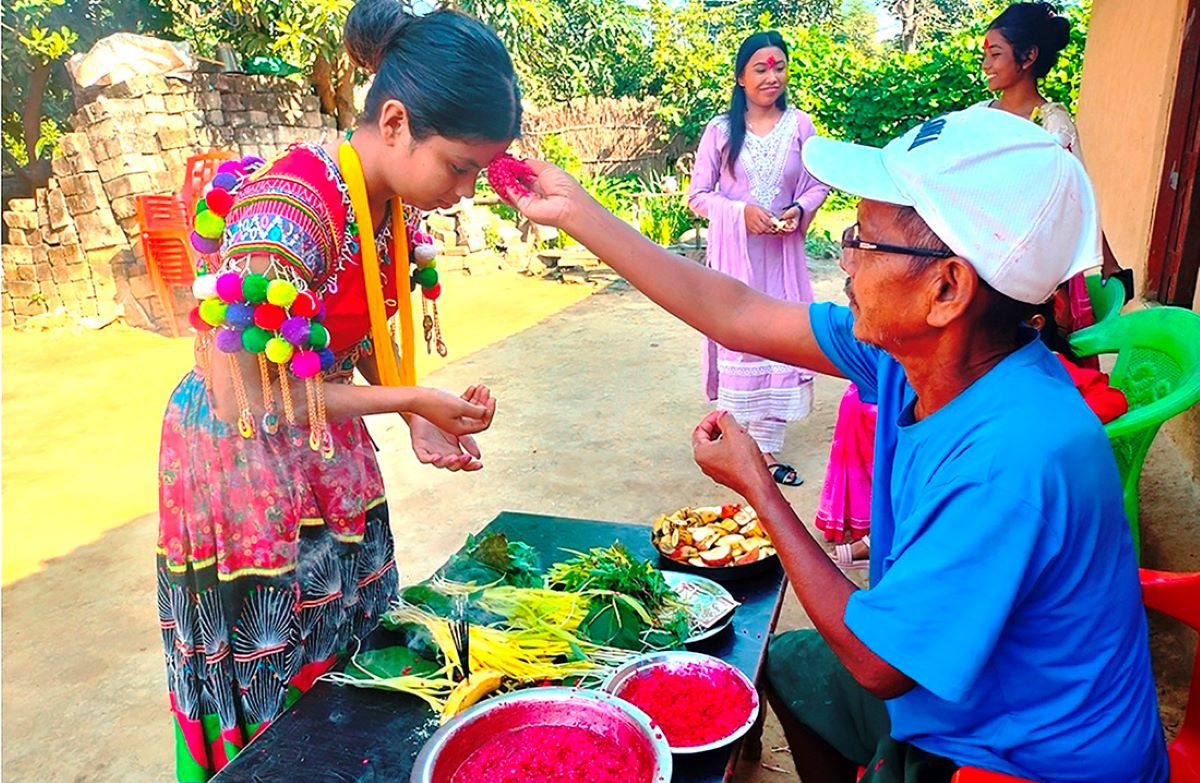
(952, 366)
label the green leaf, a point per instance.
(390, 662)
(614, 624)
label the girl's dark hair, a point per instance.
(1030, 25)
(737, 104)
(450, 71)
(1054, 339)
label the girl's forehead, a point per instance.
(768, 54)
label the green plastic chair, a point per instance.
(1158, 368)
(1107, 300)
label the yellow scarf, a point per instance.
(385, 357)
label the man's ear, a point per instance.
(954, 283)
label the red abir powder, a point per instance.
(693, 704)
(510, 177)
(553, 754)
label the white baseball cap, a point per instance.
(996, 188)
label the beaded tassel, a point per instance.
(439, 343)
(245, 423)
(204, 348)
(270, 420)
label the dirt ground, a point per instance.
(82, 410)
(83, 696)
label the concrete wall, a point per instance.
(1129, 72)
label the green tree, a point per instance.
(919, 17)
(780, 13)
(36, 97)
(32, 47)
(857, 26)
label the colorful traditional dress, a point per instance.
(271, 556)
(763, 395)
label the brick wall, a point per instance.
(75, 245)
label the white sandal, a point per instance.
(843, 555)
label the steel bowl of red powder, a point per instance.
(700, 702)
(547, 735)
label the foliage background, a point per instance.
(680, 52)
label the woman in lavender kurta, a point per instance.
(759, 200)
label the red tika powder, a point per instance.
(553, 754)
(693, 704)
(510, 177)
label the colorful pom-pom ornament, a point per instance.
(209, 225)
(279, 350)
(201, 206)
(295, 330)
(305, 304)
(203, 245)
(318, 336)
(427, 277)
(204, 287)
(219, 201)
(281, 292)
(424, 253)
(229, 287)
(433, 292)
(306, 364)
(198, 323)
(239, 315)
(255, 339)
(327, 359)
(269, 316)
(230, 166)
(229, 341)
(254, 288)
(225, 180)
(213, 311)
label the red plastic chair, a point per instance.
(1178, 596)
(200, 169)
(169, 256)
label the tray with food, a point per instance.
(721, 542)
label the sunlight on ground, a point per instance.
(82, 412)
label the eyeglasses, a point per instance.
(851, 240)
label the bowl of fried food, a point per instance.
(720, 542)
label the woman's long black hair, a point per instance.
(737, 103)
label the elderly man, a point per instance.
(1003, 627)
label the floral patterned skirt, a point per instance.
(271, 559)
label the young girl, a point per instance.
(751, 185)
(1020, 47)
(274, 546)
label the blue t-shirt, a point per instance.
(1003, 575)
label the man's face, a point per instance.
(888, 299)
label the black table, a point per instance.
(336, 734)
